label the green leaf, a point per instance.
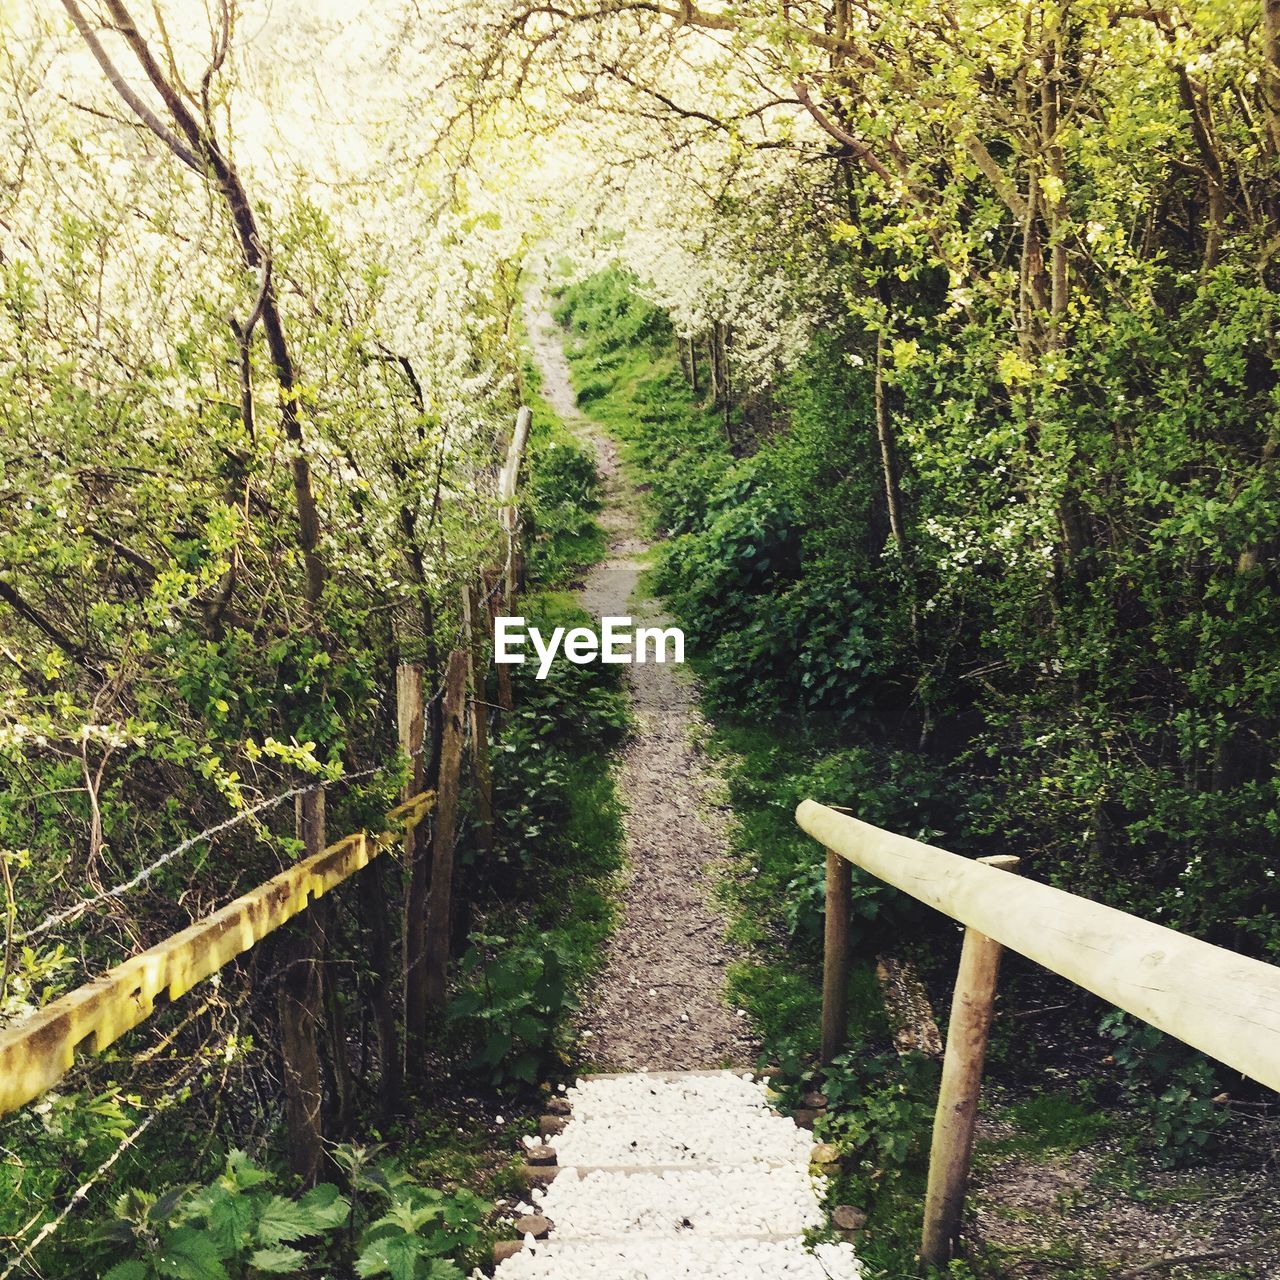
(229, 1213)
(442, 1269)
(243, 1173)
(188, 1254)
(282, 1260)
(131, 1270)
(394, 1256)
(407, 1217)
(325, 1208)
(283, 1220)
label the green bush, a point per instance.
(511, 1006)
(879, 1110)
(1171, 1087)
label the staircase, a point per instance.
(664, 1175)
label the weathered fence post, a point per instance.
(510, 515)
(835, 956)
(410, 722)
(968, 1032)
(378, 920)
(440, 901)
(477, 665)
(298, 1002)
(492, 591)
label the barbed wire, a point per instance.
(57, 918)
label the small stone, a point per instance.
(824, 1154)
(805, 1117)
(541, 1155)
(505, 1249)
(550, 1125)
(558, 1106)
(847, 1217)
(535, 1225)
(538, 1175)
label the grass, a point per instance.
(1057, 1122)
(628, 379)
(563, 493)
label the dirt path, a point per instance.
(658, 1003)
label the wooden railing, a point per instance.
(39, 1051)
(1224, 1004)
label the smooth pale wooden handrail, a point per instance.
(37, 1052)
(1224, 1004)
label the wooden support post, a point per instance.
(506, 691)
(440, 903)
(510, 515)
(477, 664)
(835, 958)
(968, 1032)
(410, 722)
(298, 1002)
(378, 922)
(323, 921)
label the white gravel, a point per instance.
(719, 1201)
(679, 1177)
(673, 1120)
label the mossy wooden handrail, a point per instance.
(38, 1052)
(1222, 1003)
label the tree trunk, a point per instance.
(477, 664)
(1271, 70)
(410, 723)
(377, 915)
(726, 385)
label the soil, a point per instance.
(1047, 1215)
(658, 1003)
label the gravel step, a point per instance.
(675, 1258)
(679, 1174)
(717, 1201)
(675, 1119)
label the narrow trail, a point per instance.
(658, 1004)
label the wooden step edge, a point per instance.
(690, 1166)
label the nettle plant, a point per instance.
(239, 1226)
(512, 1005)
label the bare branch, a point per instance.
(858, 149)
(121, 86)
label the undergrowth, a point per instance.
(409, 1197)
(765, 566)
